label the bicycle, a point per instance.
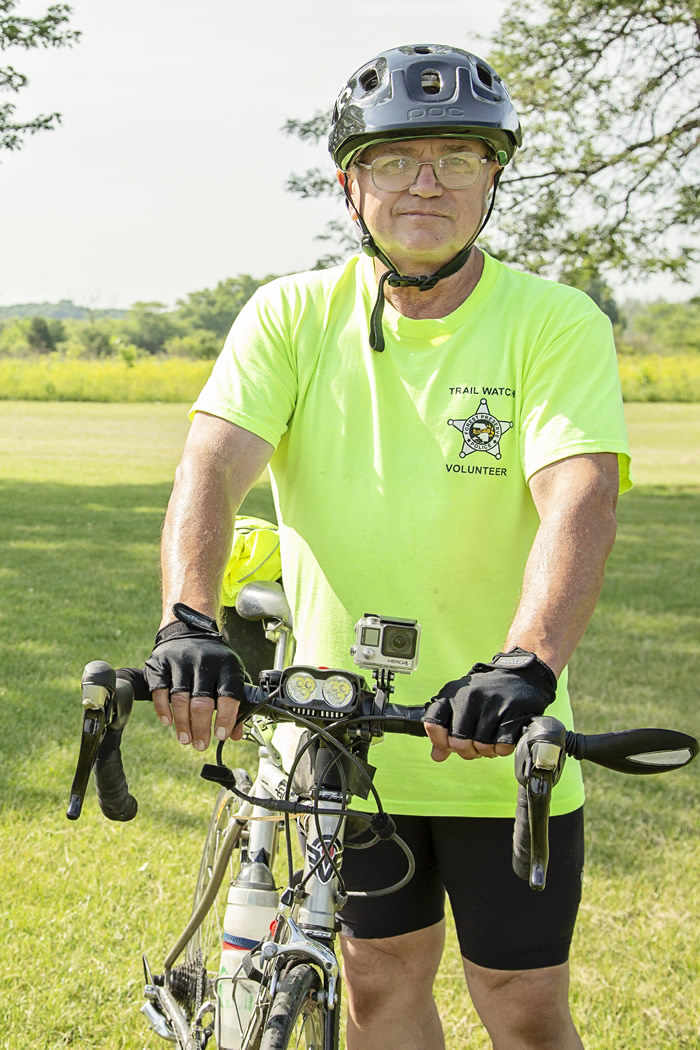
(283, 989)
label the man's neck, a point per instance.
(443, 299)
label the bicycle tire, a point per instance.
(297, 1019)
(207, 937)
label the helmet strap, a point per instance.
(394, 278)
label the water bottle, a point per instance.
(252, 906)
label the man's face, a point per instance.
(421, 228)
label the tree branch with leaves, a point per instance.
(49, 31)
(608, 93)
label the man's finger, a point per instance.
(438, 738)
(226, 712)
(464, 748)
(180, 703)
(201, 710)
(485, 750)
(161, 705)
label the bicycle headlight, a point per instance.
(337, 691)
(323, 691)
(300, 687)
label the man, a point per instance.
(446, 442)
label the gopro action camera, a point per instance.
(386, 643)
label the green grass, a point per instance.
(83, 489)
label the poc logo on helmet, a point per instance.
(434, 111)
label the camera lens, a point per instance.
(399, 642)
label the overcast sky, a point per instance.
(167, 173)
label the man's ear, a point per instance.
(347, 183)
(496, 169)
(494, 175)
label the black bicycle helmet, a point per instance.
(420, 90)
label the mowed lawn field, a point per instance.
(83, 490)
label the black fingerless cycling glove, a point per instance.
(191, 656)
(494, 701)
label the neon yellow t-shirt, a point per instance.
(400, 478)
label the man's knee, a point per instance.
(392, 968)
(524, 1008)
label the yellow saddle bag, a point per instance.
(255, 555)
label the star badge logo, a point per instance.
(482, 432)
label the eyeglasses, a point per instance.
(454, 171)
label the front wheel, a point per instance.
(298, 1018)
(223, 833)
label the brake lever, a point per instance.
(539, 761)
(101, 711)
(539, 797)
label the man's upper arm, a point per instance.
(231, 452)
(577, 482)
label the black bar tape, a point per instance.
(408, 720)
(521, 837)
(112, 789)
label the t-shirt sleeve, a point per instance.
(254, 381)
(572, 403)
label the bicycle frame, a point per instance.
(304, 930)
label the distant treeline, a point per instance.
(62, 311)
(197, 327)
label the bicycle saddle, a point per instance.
(264, 600)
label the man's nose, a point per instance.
(426, 183)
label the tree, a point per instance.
(662, 328)
(15, 31)
(214, 309)
(149, 326)
(95, 338)
(43, 335)
(599, 291)
(608, 96)
(607, 92)
(321, 182)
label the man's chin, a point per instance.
(414, 260)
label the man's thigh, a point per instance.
(418, 905)
(501, 923)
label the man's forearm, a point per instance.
(565, 569)
(196, 543)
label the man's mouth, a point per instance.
(425, 214)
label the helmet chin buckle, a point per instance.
(368, 246)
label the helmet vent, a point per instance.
(369, 79)
(423, 50)
(484, 75)
(431, 82)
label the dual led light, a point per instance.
(302, 688)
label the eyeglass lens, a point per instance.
(455, 171)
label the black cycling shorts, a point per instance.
(501, 923)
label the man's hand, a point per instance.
(190, 668)
(483, 714)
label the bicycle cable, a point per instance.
(294, 808)
(209, 772)
(365, 818)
